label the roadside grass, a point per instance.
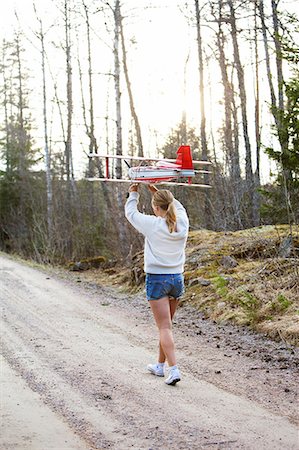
(256, 286)
(260, 290)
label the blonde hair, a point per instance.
(164, 199)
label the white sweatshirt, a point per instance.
(164, 252)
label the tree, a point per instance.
(230, 131)
(117, 22)
(284, 201)
(5, 91)
(284, 108)
(243, 102)
(130, 93)
(69, 93)
(90, 127)
(41, 37)
(203, 137)
(16, 181)
(231, 146)
(257, 180)
(179, 136)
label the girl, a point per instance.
(164, 255)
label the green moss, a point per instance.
(220, 284)
(285, 303)
(280, 304)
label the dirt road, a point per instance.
(73, 374)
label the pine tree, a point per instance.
(17, 149)
(283, 199)
(181, 135)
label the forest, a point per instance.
(68, 87)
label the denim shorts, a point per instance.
(164, 285)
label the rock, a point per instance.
(201, 281)
(228, 279)
(76, 266)
(285, 248)
(110, 271)
(228, 262)
(87, 263)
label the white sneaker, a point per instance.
(156, 369)
(173, 377)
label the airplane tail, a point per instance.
(184, 158)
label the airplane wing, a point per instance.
(173, 183)
(166, 171)
(142, 158)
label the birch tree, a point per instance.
(69, 101)
(90, 128)
(41, 37)
(117, 24)
(130, 93)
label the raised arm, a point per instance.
(141, 222)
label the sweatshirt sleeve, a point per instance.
(141, 222)
(181, 212)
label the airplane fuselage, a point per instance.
(154, 175)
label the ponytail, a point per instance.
(171, 217)
(164, 199)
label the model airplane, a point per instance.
(166, 171)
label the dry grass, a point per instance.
(261, 291)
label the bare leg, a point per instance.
(173, 303)
(162, 313)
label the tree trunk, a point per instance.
(243, 101)
(278, 54)
(21, 142)
(93, 146)
(69, 91)
(283, 136)
(129, 88)
(117, 20)
(184, 114)
(204, 147)
(268, 67)
(22, 133)
(257, 182)
(282, 133)
(203, 138)
(277, 109)
(231, 147)
(46, 140)
(5, 105)
(230, 140)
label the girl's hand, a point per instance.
(133, 188)
(152, 188)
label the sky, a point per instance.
(159, 42)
